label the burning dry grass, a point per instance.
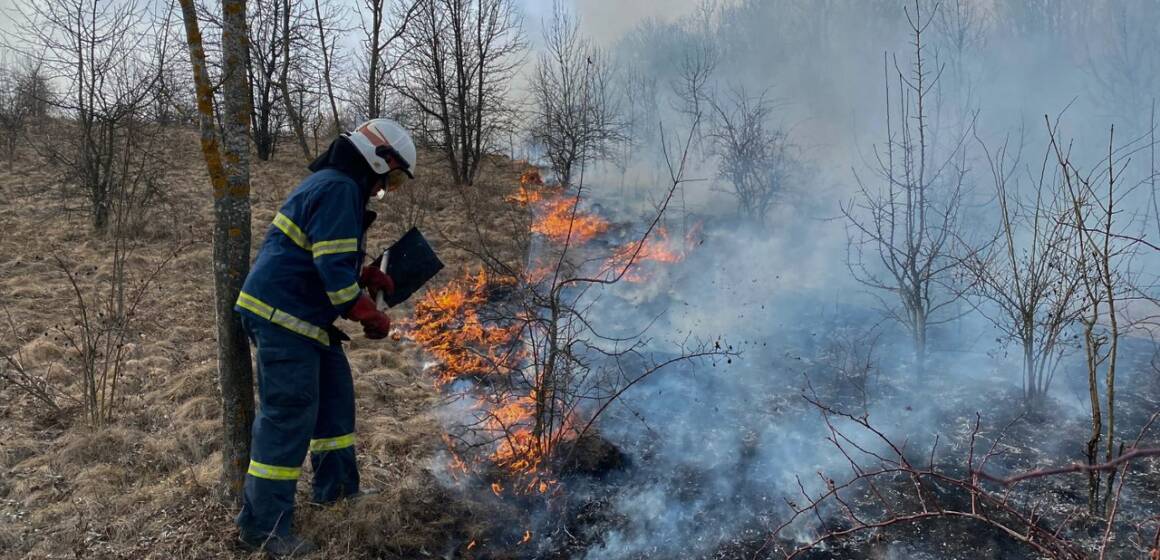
(144, 485)
(448, 325)
(638, 260)
(562, 222)
(483, 328)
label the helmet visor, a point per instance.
(394, 159)
(396, 178)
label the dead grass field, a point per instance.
(143, 486)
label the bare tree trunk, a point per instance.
(284, 84)
(326, 68)
(228, 165)
(373, 94)
(232, 249)
(1090, 352)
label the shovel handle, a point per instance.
(380, 301)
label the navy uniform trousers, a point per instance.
(306, 398)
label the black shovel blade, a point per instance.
(411, 262)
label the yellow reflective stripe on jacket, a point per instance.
(282, 318)
(291, 230)
(344, 295)
(335, 246)
(331, 444)
(247, 301)
(270, 472)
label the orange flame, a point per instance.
(531, 187)
(561, 222)
(527, 537)
(531, 176)
(657, 248)
(524, 196)
(451, 324)
(447, 324)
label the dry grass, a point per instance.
(142, 487)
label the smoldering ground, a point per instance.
(716, 448)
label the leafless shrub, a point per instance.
(1024, 274)
(849, 356)
(576, 118)
(756, 158)
(103, 55)
(546, 372)
(459, 57)
(16, 371)
(902, 233)
(104, 329)
(1105, 243)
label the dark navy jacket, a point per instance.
(306, 273)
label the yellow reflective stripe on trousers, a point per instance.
(344, 295)
(291, 230)
(282, 318)
(335, 246)
(331, 444)
(270, 472)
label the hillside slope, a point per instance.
(143, 485)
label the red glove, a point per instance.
(375, 280)
(375, 323)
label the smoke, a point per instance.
(715, 449)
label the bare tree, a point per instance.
(263, 65)
(226, 156)
(35, 89)
(101, 54)
(293, 113)
(901, 234)
(324, 23)
(14, 110)
(1101, 257)
(1123, 58)
(576, 117)
(459, 57)
(755, 157)
(1025, 273)
(384, 23)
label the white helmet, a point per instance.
(380, 139)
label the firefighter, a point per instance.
(307, 274)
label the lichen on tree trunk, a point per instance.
(228, 164)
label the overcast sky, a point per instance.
(605, 21)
